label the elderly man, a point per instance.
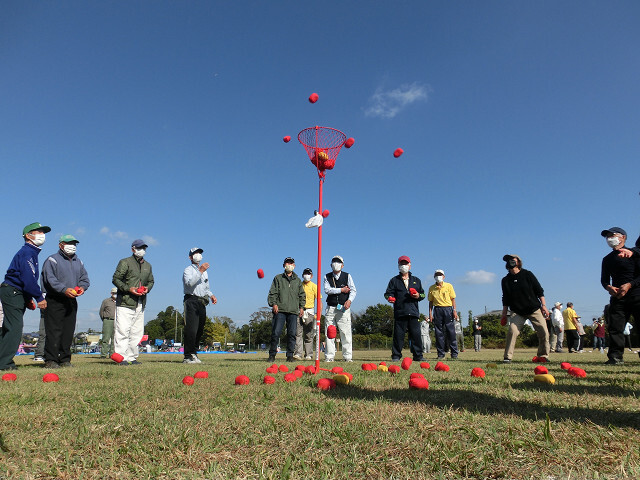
(197, 294)
(18, 291)
(64, 279)
(108, 315)
(340, 291)
(557, 323)
(620, 276)
(134, 280)
(443, 313)
(523, 295)
(404, 291)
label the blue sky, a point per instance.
(164, 120)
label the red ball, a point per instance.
(242, 380)
(419, 384)
(188, 380)
(9, 377)
(413, 291)
(441, 367)
(283, 368)
(416, 375)
(325, 214)
(398, 152)
(425, 365)
(116, 357)
(565, 365)
(392, 299)
(300, 367)
(337, 370)
(50, 377)
(406, 363)
(268, 380)
(260, 273)
(286, 139)
(477, 372)
(311, 370)
(201, 375)
(394, 369)
(272, 369)
(331, 331)
(290, 377)
(540, 370)
(313, 98)
(349, 143)
(326, 384)
(298, 373)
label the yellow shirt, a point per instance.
(441, 295)
(569, 315)
(311, 289)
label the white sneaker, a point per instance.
(348, 360)
(189, 360)
(195, 357)
(297, 357)
(328, 360)
(308, 357)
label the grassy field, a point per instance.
(140, 422)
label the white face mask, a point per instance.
(289, 268)
(139, 252)
(613, 241)
(69, 249)
(197, 257)
(336, 266)
(306, 277)
(404, 268)
(439, 278)
(38, 239)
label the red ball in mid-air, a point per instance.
(313, 98)
(331, 331)
(260, 273)
(325, 213)
(398, 152)
(286, 139)
(349, 143)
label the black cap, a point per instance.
(195, 250)
(609, 231)
(307, 270)
(288, 260)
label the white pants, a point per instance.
(342, 320)
(129, 327)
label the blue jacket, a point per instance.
(405, 304)
(60, 272)
(23, 272)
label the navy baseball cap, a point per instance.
(609, 231)
(138, 243)
(195, 250)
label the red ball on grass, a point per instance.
(290, 377)
(477, 372)
(326, 384)
(565, 365)
(242, 380)
(394, 369)
(425, 365)
(188, 380)
(201, 374)
(418, 384)
(337, 370)
(406, 363)
(283, 368)
(9, 377)
(272, 369)
(50, 377)
(540, 370)
(416, 375)
(298, 373)
(268, 380)
(441, 367)
(116, 357)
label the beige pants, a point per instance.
(306, 332)
(516, 322)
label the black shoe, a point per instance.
(418, 359)
(66, 364)
(613, 361)
(290, 359)
(440, 358)
(395, 359)
(506, 360)
(136, 362)
(123, 363)
(50, 364)
(272, 358)
(454, 358)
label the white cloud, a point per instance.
(478, 277)
(81, 231)
(150, 240)
(104, 230)
(118, 235)
(387, 104)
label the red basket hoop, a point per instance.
(322, 145)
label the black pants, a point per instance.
(445, 328)
(59, 325)
(573, 340)
(401, 324)
(195, 314)
(620, 309)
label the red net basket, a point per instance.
(322, 145)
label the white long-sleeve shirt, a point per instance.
(556, 318)
(196, 283)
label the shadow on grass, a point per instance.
(486, 404)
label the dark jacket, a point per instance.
(521, 292)
(23, 272)
(288, 293)
(129, 273)
(405, 304)
(60, 272)
(617, 271)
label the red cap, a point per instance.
(404, 258)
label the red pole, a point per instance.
(320, 281)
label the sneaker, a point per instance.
(395, 359)
(348, 360)
(195, 357)
(38, 359)
(188, 360)
(136, 362)
(290, 359)
(66, 364)
(440, 357)
(559, 350)
(51, 365)
(123, 363)
(297, 357)
(613, 361)
(328, 360)
(454, 358)
(506, 360)
(272, 358)
(308, 357)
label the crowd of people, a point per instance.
(63, 279)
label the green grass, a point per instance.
(106, 422)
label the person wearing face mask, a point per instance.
(306, 323)
(19, 291)
(197, 294)
(340, 291)
(620, 276)
(405, 291)
(570, 318)
(523, 295)
(134, 280)
(443, 313)
(64, 278)
(108, 314)
(287, 300)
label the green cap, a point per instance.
(35, 226)
(68, 239)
